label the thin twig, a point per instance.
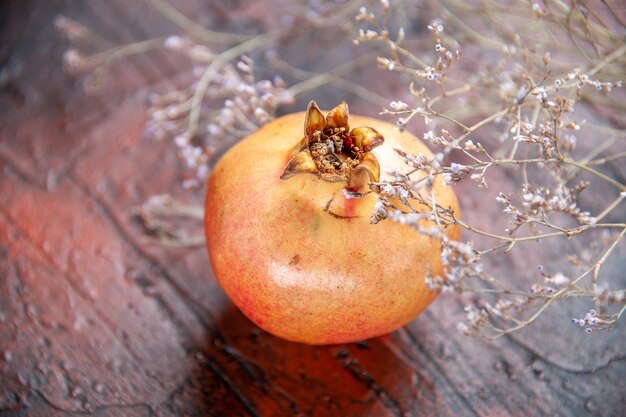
(595, 269)
(193, 28)
(220, 60)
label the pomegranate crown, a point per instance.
(333, 152)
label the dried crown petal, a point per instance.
(333, 153)
(337, 118)
(301, 163)
(366, 172)
(366, 138)
(314, 121)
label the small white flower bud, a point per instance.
(174, 42)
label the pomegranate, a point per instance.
(289, 233)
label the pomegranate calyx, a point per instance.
(332, 151)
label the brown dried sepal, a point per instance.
(314, 121)
(366, 172)
(337, 118)
(332, 151)
(365, 138)
(299, 164)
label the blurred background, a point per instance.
(98, 317)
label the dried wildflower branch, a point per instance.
(494, 97)
(97, 65)
(220, 104)
(185, 115)
(193, 28)
(537, 106)
(333, 77)
(155, 214)
(217, 63)
(596, 324)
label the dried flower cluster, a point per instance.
(220, 103)
(529, 127)
(199, 134)
(493, 103)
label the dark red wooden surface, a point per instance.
(95, 321)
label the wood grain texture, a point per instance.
(96, 321)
